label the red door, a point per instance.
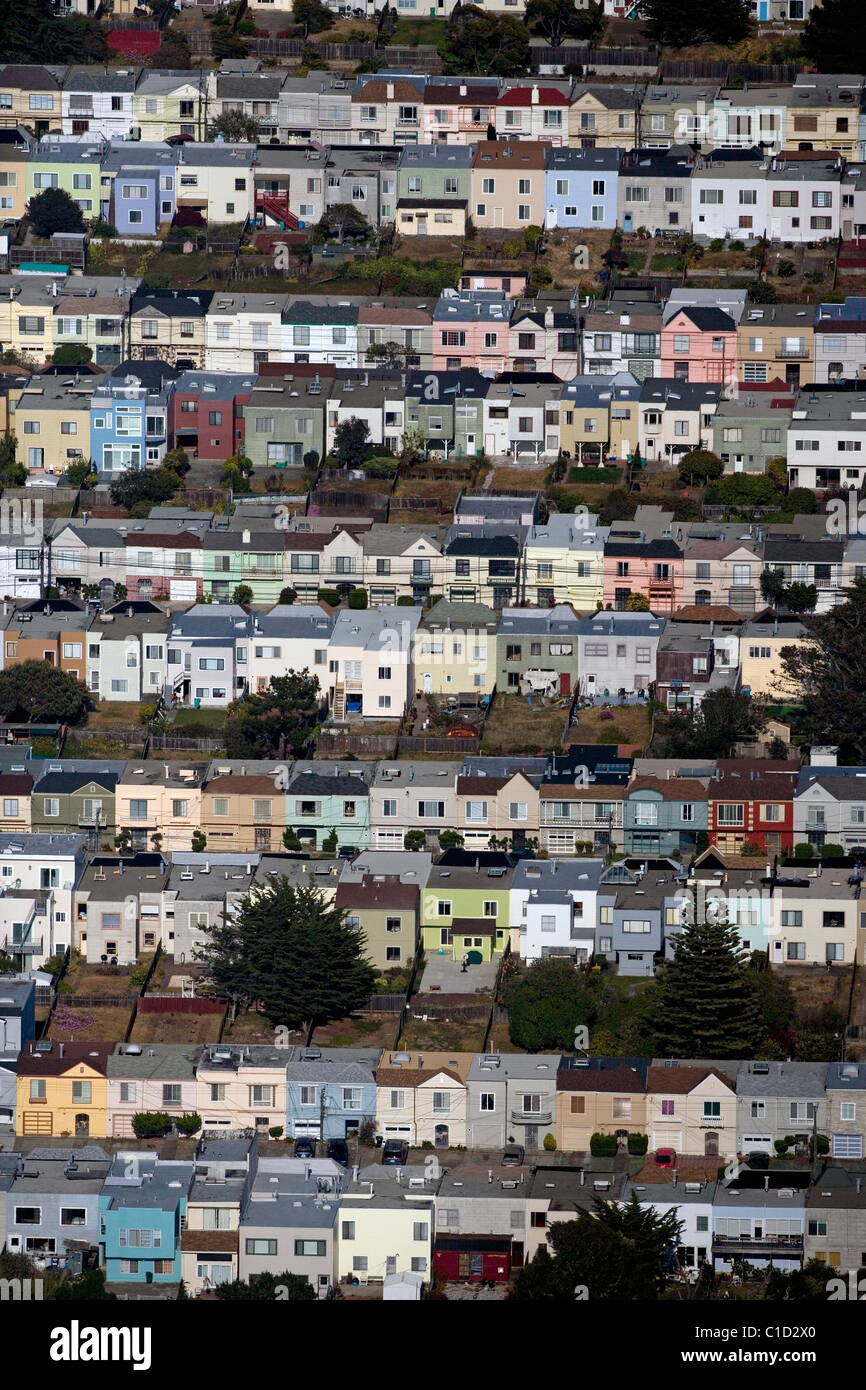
(564, 683)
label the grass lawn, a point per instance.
(191, 719)
(514, 726)
(664, 260)
(415, 33)
(442, 1036)
(177, 1028)
(110, 715)
(630, 725)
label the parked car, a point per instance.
(305, 1147)
(394, 1152)
(348, 852)
(513, 1156)
(666, 1158)
(338, 1150)
(759, 1159)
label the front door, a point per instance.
(711, 1144)
(82, 1124)
(532, 1136)
(440, 1136)
(564, 683)
(499, 217)
(422, 226)
(778, 953)
(428, 682)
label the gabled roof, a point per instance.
(681, 1080)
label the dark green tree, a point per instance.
(772, 585)
(312, 16)
(54, 211)
(234, 126)
(707, 1004)
(242, 594)
(614, 1252)
(33, 33)
(12, 473)
(742, 490)
(724, 717)
(546, 1003)
(276, 722)
(292, 950)
(699, 467)
(36, 690)
(144, 485)
(833, 38)
(555, 20)
(683, 22)
(829, 672)
(89, 1287)
(801, 598)
(72, 355)
(350, 442)
(336, 221)
(486, 43)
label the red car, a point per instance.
(666, 1158)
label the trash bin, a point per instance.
(197, 704)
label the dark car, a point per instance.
(513, 1156)
(305, 1148)
(395, 1152)
(758, 1159)
(348, 851)
(338, 1150)
(666, 1158)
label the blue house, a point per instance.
(332, 1094)
(324, 797)
(580, 187)
(128, 424)
(664, 815)
(139, 188)
(141, 1214)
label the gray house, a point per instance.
(511, 1099)
(52, 1205)
(778, 1099)
(289, 1220)
(198, 890)
(618, 651)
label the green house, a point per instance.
(285, 419)
(73, 166)
(465, 905)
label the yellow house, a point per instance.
(161, 798)
(584, 421)
(52, 422)
(776, 342)
(63, 1090)
(598, 1099)
(13, 181)
(823, 114)
(692, 1110)
(761, 646)
(565, 556)
(602, 116)
(30, 95)
(455, 649)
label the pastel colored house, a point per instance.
(63, 1090)
(692, 1110)
(323, 799)
(52, 1205)
(433, 190)
(164, 798)
(563, 561)
(700, 344)
(455, 649)
(169, 325)
(98, 101)
(398, 803)
(241, 1088)
(128, 425)
(385, 909)
(511, 1095)
(423, 1099)
(385, 1229)
(664, 816)
(330, 1098)
(508, 184)
(470, 329)
(73, 166)
(600, 1095)
(461, 112)
(581, 187)
(161, 1078)
(465, 910)
(653, 568)
(142, 1212)
(532, 112)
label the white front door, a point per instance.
(499, 217)
(428, 682)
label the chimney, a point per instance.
(535, 95)
(548, 316)
(389, 91)
(463, 90)
(245, 537)
(766, 1182)
(61, 1049)
(582, 1178)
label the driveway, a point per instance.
(442, 975)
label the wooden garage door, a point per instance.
(38, 1122)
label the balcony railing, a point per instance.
(792, 354)
(713, 1121)
(532, 1117)
(756, 1245)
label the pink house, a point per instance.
(470, 329)
(700, 345)
(458, 113)
(652, 568)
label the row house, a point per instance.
(460, 111)
(31, 95)
(563, 562)
(161, 800)
(818, 563)
(372, 655)
(530, 111)
(722, 573)
(40, 313)
(328, 800)
(99, 102)
(320, 333)
(762, 641)
(554, 910)
(403, 334)
(128, 425)
(699, 344)
(119, 906)
(385, 908)
(244, 809)
(422, 1099)
(778, 1099)
(284, 419)
(316, 108)
(207, 651)
(126, 651)
(45, 864)
(169, 325)
(63, 1089)
(752, 803)
(830, 807)
(407, 797)
(822, 114)
(387, 111)
(170, 103)
(581, 187)
(622, 335)
(602, 116)
(653, 189)
(664, 815)
(776, 341)
(537, 652)
(493, 808)
(52, 420)
(579, 817)
(653, 568)
(508, 184)
(455, 650)
(255, 95)
(783, 198)
(618, 650)
(465, 908)
(675, 417)
(471, 329)
(751, 430)
(142, 1212)
(433, 189)
(482, 565)
(205, 410)
(242, 331)
(839, 330)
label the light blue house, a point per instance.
(139, 187)
(580, 187)
(128, 424)
(331, 1094)
(664, 815)
(141, 1214)
(324, 797)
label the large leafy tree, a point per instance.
(700, 467)
(546, 1003)
(144, 485)
(350, 442)
(486, 43)
(54, 211)
(615, 1252)
(33, 33)
(36, 690)
(340, 219)
(707, 1003)
(555, 20)
(829, 668)
(234, 126)
(834, 38)
(276, 722)
(683, 22)
(725, 717)
(292, 950)
(312, 16)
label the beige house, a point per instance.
(241, 1088)
(455, 650)
(603, 116)
(163, 799)
(692, 1110)
(422, 1098)
(726, 573)
(598, 1100)
(507, 184)
(386, 911)
(498, 807)
(168, 325)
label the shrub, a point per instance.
(329, 596)
(330, 843)
(414, 840)
(638, 1144)
(717, 244)
(603, 1145)
(151, 1124)
(105, 229)
(188, 1123)
(276, 1131)
(549, 1143)
(405, 601)
(803, 851)
(831, 851)
(823, 1144)
(358, 598)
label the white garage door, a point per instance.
(847, 1146)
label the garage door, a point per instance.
(756, 1141)
(847, 1146)
(668, 1139)
(307, 1129)
(37, 1122)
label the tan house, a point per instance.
(496, 807)
(244, 812)
(58, 638)
(422, 1098)
(604, 1097)
(13, 175)
(507, 183)
(169, 326)
(692, 1110)
(163, 799)
(603, 116)
(722, 573)
(15, 791)
(241, 1088)
(386, 910)
(30, 96)
(776, 341)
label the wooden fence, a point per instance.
(337, 743)
(177, 1004)
(452, 747)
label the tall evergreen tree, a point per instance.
(684, 22)
(829, 671)
(707, 1004)
(834, 38)
(291, 950)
